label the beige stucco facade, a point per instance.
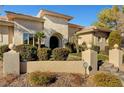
(56, 27)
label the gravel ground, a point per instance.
(63, 80)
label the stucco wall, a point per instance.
(54, 25)
(31, 25)
(72, 31)
(18, 36)
(87, 38)
(52, 66)
(93, 38)
(34, 26)
(4, 35)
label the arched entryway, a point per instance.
(55, 41)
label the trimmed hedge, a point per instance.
(106, 80)
(27, 52)
(41, 78)
(3, 49)
(44, 53)
(60, 53)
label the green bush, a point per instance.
(3, 49)
(43, 53)
(71, 47)
(106, 80)
(39, 78)
(60, 53)
(102, 57)
(114, 38)
(96, 48)
(27, 52)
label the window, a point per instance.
(25, 38)
(31, 39)
(28, 38)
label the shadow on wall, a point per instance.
(99, 63)
(23, 67)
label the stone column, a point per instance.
(90, 56)
(116, 56)
(11, 62)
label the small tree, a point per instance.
(39, 36)
(114, 38)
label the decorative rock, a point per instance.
(107, 65)
(114, 69)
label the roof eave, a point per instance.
(13, 15)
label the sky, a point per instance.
(83, 15)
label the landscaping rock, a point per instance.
(107, 65)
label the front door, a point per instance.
(54, 42)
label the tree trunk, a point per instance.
(39, 43)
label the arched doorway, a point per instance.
(54, 42)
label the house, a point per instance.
(93, 35)
(20, 29)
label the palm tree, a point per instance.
(39, 36)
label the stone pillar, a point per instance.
(116, 56)
(11, 62)
(90, 56)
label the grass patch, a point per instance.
(102, 57)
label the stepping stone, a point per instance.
(114, 69)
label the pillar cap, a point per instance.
(116, 46)
(89, 46)
(12, 46)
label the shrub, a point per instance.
(3, 49)
(27, 52)
(60, 53)
(96, 48)
(71, 47)
(106, 80)
(39, 78)
(102, 57)
(114, 38)
(43, 53)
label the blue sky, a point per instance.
(83, 14)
